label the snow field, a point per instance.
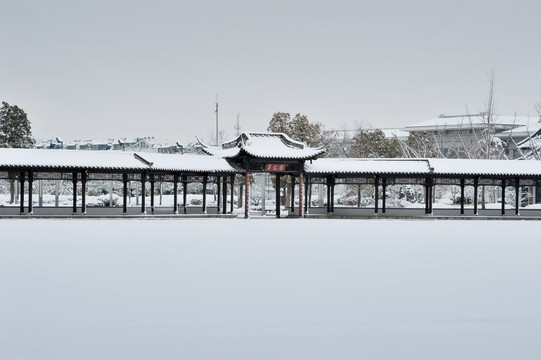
(269, 289)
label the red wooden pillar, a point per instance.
(301, 183)
(247, 196)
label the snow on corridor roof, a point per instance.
(456, 167)
(486, 167)
(265, 145)
(111, 160)
(124, 160)
(367, 166)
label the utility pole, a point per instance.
(217, 141)
(237, 127)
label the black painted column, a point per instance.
(143, 192)
(431, 197)
(517, 196)
(218, 194)
(278, 178)
(74, 180)
(462, 196)
(224, 195)
(475, 195)
(204, 210)
(152, 193)
(503, 197)
(376, 194)
(184, 193)
(83, 192)
(383, 195)
(175, 194)
(328, 194)
(332, 195)
(30, 183)
(232, 195)
(21, 182)
(125, 193)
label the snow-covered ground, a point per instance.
(269, 289)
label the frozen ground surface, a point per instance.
(269, 289)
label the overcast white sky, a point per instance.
(99, 69)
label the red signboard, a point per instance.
(275, 167)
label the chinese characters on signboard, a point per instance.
(275, 167)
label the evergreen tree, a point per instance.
(15, 131)
(279, 123)
(299, 128)
(371, 143)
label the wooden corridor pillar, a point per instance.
(218, 194)
(462, 185)
(30, 183)
(175, 194)
(184, 192)
(232, 198)
(517, 196)
(74, 180)
(143, 193)
(21, 193)
(224, 195)
(124, 193)
(247, 195)
(278, 178)
(292, 204)
(205, 178)
(83, 192)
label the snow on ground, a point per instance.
(269, 289)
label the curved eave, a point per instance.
(313, 156)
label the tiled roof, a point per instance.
(265, 146)
(111, 160)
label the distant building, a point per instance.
(456, 134)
